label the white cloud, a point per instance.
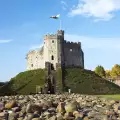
(64, 5)
(5, 41)
(99, 9)
(95, 43)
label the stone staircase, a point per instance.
(51, 80)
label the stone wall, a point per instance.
(35, 60)
(50, 49)
(60, 47)
(73, 54)
(56, 50)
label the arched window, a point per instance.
(52, 41)
(31, 65)
(52, 57)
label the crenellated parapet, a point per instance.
(72, 44)
(60, 32)
(54, 36)
(50, 36)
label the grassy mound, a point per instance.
(24, 82)
(87, 82)
(79, 80)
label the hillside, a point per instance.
(79, 80)
(24, 82)
(87, 82)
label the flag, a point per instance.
(55, 17)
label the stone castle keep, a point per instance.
(56, 51)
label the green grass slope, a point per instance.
(79, 80)
(24, 82)
(87, 82)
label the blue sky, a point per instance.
(24, 22)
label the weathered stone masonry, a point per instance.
(56, 50)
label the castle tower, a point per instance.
(57, 52)
(60, 41)
(61, 57)
(52, 48)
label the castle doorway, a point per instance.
(52, 67)
(51, 86)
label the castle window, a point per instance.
(52, 41)
(31, 65)
(52, 57)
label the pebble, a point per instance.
(58, 107)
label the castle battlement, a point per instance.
(50, 36)
(60, 32)
(54, 36)
(57, 52)
(74, 44)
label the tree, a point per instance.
(115, 71)
(108, 73)
(100, 71)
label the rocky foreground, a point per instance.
(58, 107)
